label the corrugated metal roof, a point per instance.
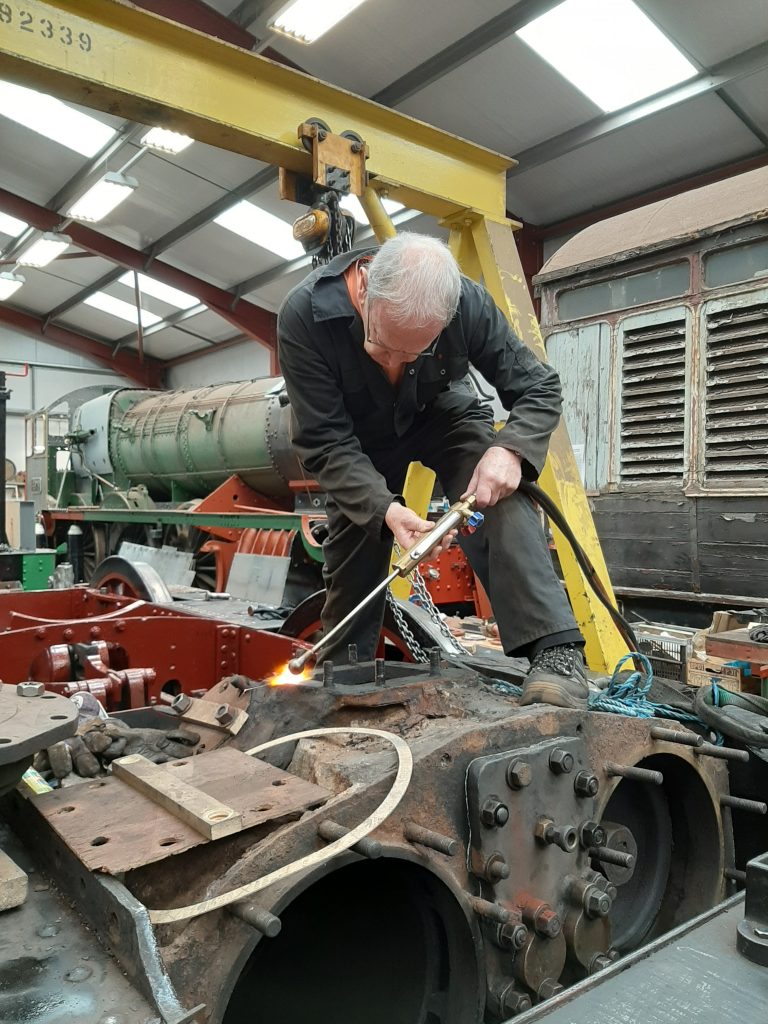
(485, 85)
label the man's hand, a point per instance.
(409, 528)
(496, 476)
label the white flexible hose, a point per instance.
(380, 814)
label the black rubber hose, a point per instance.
(590, 573)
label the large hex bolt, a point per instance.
(30, 689)
(561, 761)
(494, 813)
(181, 703)
(596, 903)
(546, 922)
(591, 833)
(586, 784)
(518, 774)
(564, 836)
(507, 1001)
(599, 962)
(548, 988)
(512, 935)
(223, 715)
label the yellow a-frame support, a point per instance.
(121, 59)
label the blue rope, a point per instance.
(627, 697)
(630, 696)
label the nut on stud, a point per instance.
(561, 761)
(546, 922)
(599, 962)
(494, 813)
(548, 988)
(512, 935)
(223, 714)
(29, 689)
(507, 1002)
(564, 836)
(519, 774)
(181, 703)
(596, 903)
(591, 833)
(586, 784)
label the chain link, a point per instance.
(415, 649)
(424, 599)
(341, 236)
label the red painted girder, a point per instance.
(149, 373)
(251, 319)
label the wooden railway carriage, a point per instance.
(657, 320)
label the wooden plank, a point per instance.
(648, 554)
(113, 828)
(13, 883)
(642, 502)
(208, 816)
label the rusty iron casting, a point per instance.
(518, 862)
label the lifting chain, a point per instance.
(341, 235)
(424, 598)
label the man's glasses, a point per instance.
(370, 340)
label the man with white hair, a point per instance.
(375, 349)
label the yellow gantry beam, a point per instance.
(114, 57)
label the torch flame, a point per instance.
(287, 678)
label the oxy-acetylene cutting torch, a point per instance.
(461, 515)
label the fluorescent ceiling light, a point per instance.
(261, 228)
(103, 197)
(123, 310)
(10, 283)
(149, 286)
(166, 141)
(609, 49)
(307, 20)
(11, 225)
(44, 250)
(57, 121)
(353, 205)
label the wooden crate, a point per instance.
(729, 675)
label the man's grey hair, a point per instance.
(418, 278)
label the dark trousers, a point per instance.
(508, 552)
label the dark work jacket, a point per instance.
(345, 409)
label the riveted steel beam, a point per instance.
(122, 59)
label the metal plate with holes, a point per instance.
(27, 724)
(113, 828)
(548, 794)
(52, 968)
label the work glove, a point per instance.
(99, 742)
(158, 745)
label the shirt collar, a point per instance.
(330, 297)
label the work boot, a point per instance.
(557, 677)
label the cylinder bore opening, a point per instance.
(381, 942)
(679, 851)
